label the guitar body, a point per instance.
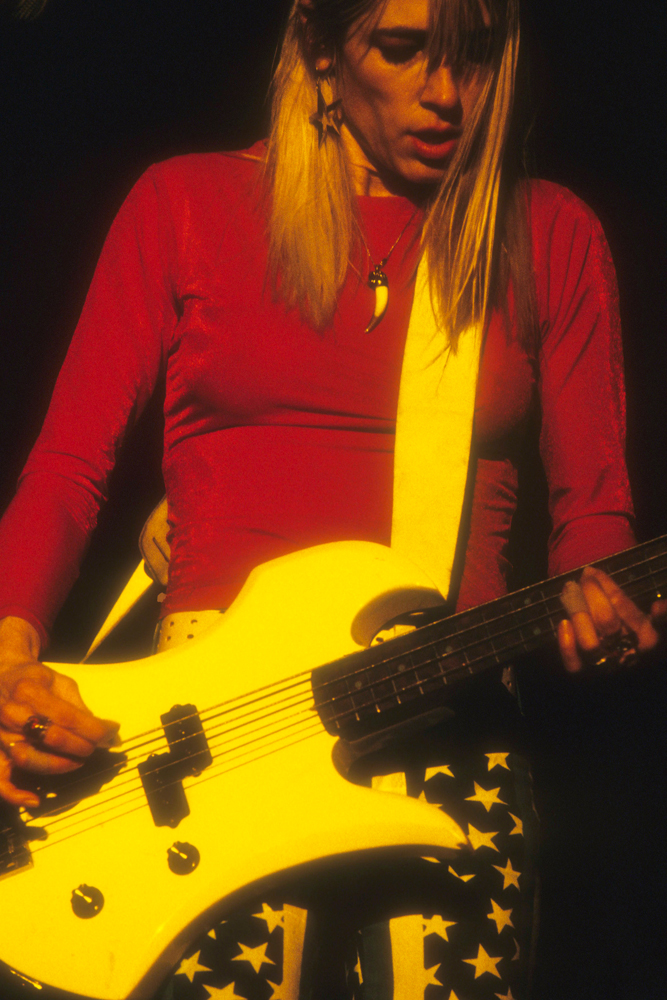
(269, 801)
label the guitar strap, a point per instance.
(436, 404)
(436, 407)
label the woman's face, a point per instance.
(400, 118)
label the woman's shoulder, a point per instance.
(555, 211)
(200, 177)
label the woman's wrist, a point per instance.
(19, 642)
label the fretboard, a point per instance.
(413, 670)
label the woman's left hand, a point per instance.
(604, 625)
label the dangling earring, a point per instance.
(327, 117)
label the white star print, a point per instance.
(226, 993)
(256, 956)
(273, 918)
(190, 966)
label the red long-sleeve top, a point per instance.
(278, 436)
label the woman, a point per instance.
(243, 278)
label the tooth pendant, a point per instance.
(377, 279)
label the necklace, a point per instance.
(377, 279)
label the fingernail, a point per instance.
(572, 598)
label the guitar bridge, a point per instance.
(15, 854)
(162, 774)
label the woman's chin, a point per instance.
(415, 170)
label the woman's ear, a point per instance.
(323, 65)
(320, 60)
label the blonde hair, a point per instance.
(313, 229)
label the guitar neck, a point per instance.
(363, 691)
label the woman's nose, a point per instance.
(441, 90)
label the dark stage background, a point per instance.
(93, 92)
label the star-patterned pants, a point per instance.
(410, 929)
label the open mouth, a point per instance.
(434, 144)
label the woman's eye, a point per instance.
(399, 52)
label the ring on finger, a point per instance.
(35, 729)
(617, 650)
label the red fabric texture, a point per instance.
(278, 436)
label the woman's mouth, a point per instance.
(434, 144)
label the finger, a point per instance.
(585, 634)
(9, 792)
(54, 737)
(24, 755)
(568, 646)
(38, 700)
(603, 613)
(16, 717)
(64, 741)
(659, 612)
(630, 615)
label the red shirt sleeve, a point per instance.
(109, 373)
(582, 440)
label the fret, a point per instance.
(403, 676)
(384, 695)
(445, 652)
(626, 577)
(429, 677)
(479, 650)
(503, 640)
(471, 619)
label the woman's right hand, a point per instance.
(29, 690)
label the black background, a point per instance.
(94, 91)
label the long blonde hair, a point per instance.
(474, 233)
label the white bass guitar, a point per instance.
(225, 775)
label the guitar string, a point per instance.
(508, 649)
(452, 672)
(107, 795)
(103, 797)
(290, 703)
(135, 779)
(464, 668)
(141, 799)
(137, 795)
(214, 734)
(283, 684)
(108, 773)
(143, 804)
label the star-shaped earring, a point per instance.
(327, 117)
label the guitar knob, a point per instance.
(87, 901)
(182, 858)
